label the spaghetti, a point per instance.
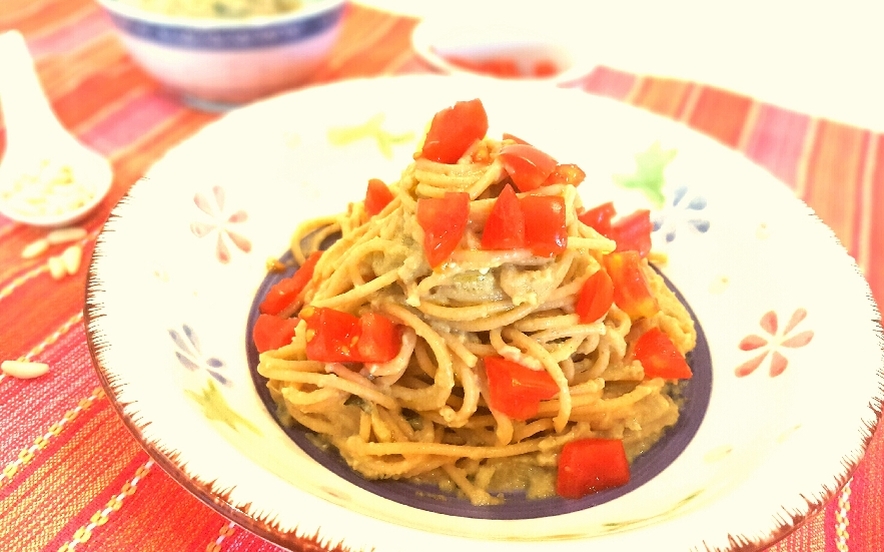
(432, 408)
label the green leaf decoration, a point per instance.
(648, 176)
(371, 129)
(215, 407)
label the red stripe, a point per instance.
(834, 171)
(612, 83)
(875, 272)
(161, 516)
(868, 489)
(664, 96)
(100, 500)
(132, 121)
(72, 34)
(37, 404)
(720, 114)
(777, 141)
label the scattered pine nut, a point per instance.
(57, 269)
(23, 369)
(65, 235)
(35, 248)
(71, 257)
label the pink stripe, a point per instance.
(72, 35)
(131, 121)
(777, 141)
(605, 81)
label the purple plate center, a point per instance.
(695, 392)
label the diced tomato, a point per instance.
(379, 338)
(331, 334)
(568, 173)
(527, 166)
(453, 131)
(595, 298)
(286, 291)
(337, 336)
(516, 390)
(632, 292)
(545, 68)
(444, 221)
(633, 232)
(588, 466)
(504, 67)
(377, 196)
(513, 137)
(272, 332)
(545, 231)
(599, 218)
(505, 227)
(660, 357)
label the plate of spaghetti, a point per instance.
(482, 314)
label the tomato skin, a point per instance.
(599, 218)
(453, 130)
(516, 390)
(444, 221)
(660, 357)
(331, 334)
(286, 291)
(567, 173)
(527, 166)
(505, 227)
(588, 466)
(379, 338)
(272, 332)
(595, 298)
(377, 196)
(633, 232)
(545, 231)
(338, 336)
(545, 68)
(632, 293)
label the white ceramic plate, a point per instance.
(790, 389)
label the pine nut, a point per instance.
(65, 235)
(71, 257)
(24, 369)
(35, 248)
(57, 268)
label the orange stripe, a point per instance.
(875, 271)
(47, 16)
(185, 523)
(663, 96)
(834, 170)
(61, 73)
(811, 535)
(67, 479)
(102, 515)
(101, 93)
(720, 114)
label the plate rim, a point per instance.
(266, 528)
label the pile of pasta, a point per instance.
(418, 399)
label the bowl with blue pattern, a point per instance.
(216, 60)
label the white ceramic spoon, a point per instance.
(47, 177)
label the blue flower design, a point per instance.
(682, 211)
(189, 354)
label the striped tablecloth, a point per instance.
(72, 477)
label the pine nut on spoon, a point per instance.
(47, 177)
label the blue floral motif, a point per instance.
(189, 354)
(683, 210)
